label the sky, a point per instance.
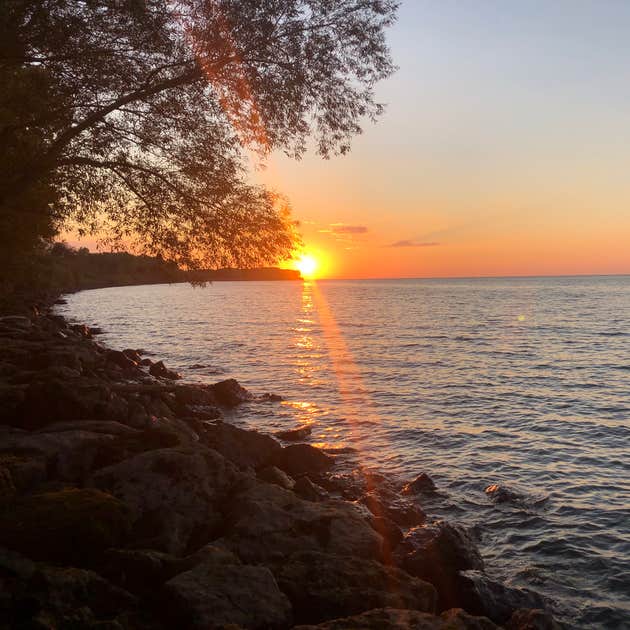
(504, 149)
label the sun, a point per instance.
(306, 265)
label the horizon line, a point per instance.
(480, 277)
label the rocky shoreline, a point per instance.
(126, 501)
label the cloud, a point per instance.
(342, 228)
(407, 243)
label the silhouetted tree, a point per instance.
(132, 117)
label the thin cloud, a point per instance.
(407, 243)
(342, 228)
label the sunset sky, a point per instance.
(505, 148)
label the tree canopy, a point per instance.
(133, 118)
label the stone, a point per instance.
(72, 526)
(218, 595)
(120, 359)
(322, 586)
(501, 494)
(436, 553)
(271, 474)
(229, 393)
(265, 523)
(308, 490)
(161, 371)
(483, 596)
(422, 484)
(401, 619)
(174, 494)
(390, 532)
(299, 459)
(294, 435)
(394, 508)
(22, 471)
(139, 571)
(246, 449)
(532, 619)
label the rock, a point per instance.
(15, 322)
(482, 596)
(436, 553)
(72, 526)
(271, 474)
(265, 523)
(120, 359)
(161, 371)
(229, 393)
(294, 435)
(422, 484)
(322, 586)
(208, 554)
(133, 355)
(400, 619)
(20, 471)
(308, 490)
(267, 397)
(66, 598)
(69, 455)
(501, 494)
(174, 494)
(244, 448)
(217, 595)
(299, 459)
(532, 619)
(139, 571)
(394, 508)
(390, 532)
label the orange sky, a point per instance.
(504, 150)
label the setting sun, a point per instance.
(307, 265)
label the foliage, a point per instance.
(133, 118)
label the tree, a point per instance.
(132, 117)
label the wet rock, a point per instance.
(294, 435)
(422, 484)
(133, 355)
(391, 506)
(501, 494)
(173, 494)
(483, 596)
(532, 619)
(120, 359)
(216, 595)
(244, 448)
(274, 475)
(230, 393)
(322, 586)
(308, 490)
(195, 395)
(436, 553)
(299, 459)
(161, 371)
(265, 523)
(267, 397)
(73, 526)
(401, 619)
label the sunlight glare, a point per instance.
(307, 266)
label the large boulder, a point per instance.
(299, 459)
(294, 435)
(322, 586)
(483, 596)
(73, 526)
(246, 449)
(437, 552)
(266, 523)
(401, 619)
(230, 393)
(173, 494)
(217, 595)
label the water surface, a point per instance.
(522, 382)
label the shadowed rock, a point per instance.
(73, 526)
(215, 595)
(422, 484)
(294, 435)
(274, 475)
(229, 393)
(400, 619)
(173, 494)
(299, 459)
(322, 586)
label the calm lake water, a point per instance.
(522, 382)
